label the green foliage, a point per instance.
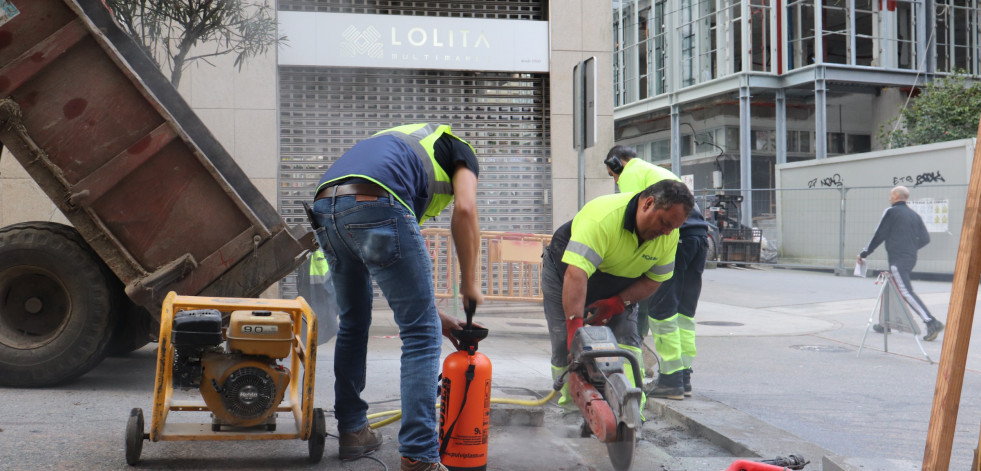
(947, 109)
(170, 30)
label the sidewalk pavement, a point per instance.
(778, 373)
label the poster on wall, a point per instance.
(934, 213)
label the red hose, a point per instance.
(744, 465)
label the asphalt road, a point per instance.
(777, 355)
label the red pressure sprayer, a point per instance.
(464, 417)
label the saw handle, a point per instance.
(619, 352)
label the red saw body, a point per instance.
(610, 404)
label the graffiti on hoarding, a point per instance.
(832, 181)
(926, 177)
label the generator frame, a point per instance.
(309, 423)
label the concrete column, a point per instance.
(745, 154)
(820, 115)
(675, 140)
(781, 119)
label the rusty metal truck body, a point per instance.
(145, 184)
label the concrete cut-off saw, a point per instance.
(599, 386)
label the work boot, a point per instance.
(686, 375)
(933, 329)
(357, 444)
(667, 386)
(879, 329)
(412, 465)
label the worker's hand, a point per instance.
(571, 326)
(471, 293)
(449, 324)
(600, 312)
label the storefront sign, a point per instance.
(413, 42)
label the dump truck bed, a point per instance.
(122, 155)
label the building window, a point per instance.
(957, 36)
(687, 35)
(864, 32)
(834, 32)
(800, 33)
(760, 35)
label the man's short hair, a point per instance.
(901, 192)
(623, 153)
(668, 193)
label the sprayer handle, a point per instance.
(469, 307)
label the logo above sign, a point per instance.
(413, 42)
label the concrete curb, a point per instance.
(737, 432)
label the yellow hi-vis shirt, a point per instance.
(604, 238)
(639, 174)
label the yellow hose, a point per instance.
(539, 402)
(396, 414)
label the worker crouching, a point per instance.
(615, 252)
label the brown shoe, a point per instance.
(357, 444)
(412, 465)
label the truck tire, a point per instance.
(711, 252)
(56, 312)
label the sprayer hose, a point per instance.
(396, 414)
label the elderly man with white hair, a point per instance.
(904, 233)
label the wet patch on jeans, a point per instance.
(378, 242)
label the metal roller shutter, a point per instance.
(503, 115)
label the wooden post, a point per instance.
(960, 316)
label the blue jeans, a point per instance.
(380, 240)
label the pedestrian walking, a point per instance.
(369, 206)
(904, 233)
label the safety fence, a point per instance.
(509, 269)
(820, 227)
(827, 226)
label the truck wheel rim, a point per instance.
(34, 307)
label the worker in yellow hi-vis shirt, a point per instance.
(671, 309)
(615, 252)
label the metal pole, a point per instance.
(582, 177)
(841, 233)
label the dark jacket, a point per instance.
(903, 232)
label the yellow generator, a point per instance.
(242, 371)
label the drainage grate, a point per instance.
(722, 323)
(820, 348)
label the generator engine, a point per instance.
(237, 373)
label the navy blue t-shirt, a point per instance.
(391, 162)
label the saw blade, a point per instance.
(622, 450)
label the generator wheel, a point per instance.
(56, 313)
(318, 435)
(134, 436)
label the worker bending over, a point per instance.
(369, 206)
(615, 252)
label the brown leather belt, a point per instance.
(365, 189)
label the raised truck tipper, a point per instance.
(156, 204)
